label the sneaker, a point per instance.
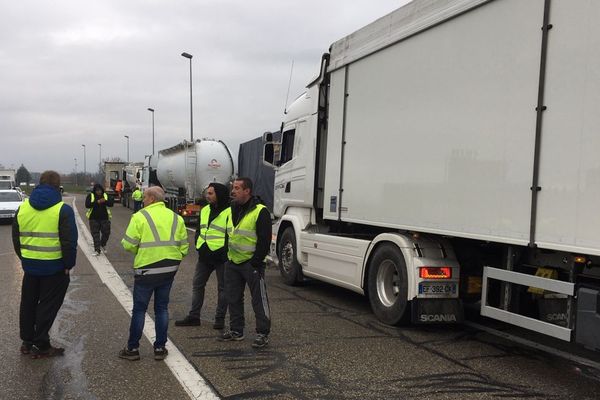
(219, 324)
(261, 341)
(36, 352)
(160, 353)
(188, 321)
(26, 348)
(131, 355)
(230, 335)
(103, 249)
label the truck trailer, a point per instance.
(447, 154)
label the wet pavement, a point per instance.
(325, 344)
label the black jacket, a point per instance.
(99, 211)
(263, 229)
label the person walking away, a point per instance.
(249, 231)
(212, 255)
(44, 237)
(158, 238)
(137, 197)
(99, 215)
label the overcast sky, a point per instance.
(76, 72)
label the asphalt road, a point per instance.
(325, 344)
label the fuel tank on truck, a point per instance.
(187, 168)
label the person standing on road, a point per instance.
(44, 236)
(158, 238)
(99, 215)
(137, 197)
(211, 245)
(249, 231)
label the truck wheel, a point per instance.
(289, 267)
(387, 285)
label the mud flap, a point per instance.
(437, 311)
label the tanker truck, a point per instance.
(446, 154)
(185, 170)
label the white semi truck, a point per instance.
(449, 153)
(185, 170)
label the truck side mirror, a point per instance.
(268, 155)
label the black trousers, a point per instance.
(203, 272)
(41, 298)
(236, 278)
(100, 229)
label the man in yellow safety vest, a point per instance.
(158, 238)
(249, 231)
(45, 239)
(211, 243)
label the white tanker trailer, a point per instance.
(185, 170)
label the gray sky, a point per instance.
(76, 72)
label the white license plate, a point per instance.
(435, 289)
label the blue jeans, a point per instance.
(142, 291)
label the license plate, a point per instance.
(437, 289)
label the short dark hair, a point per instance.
(51, 178)
(246, 183)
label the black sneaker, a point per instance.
(131, 355)
(188, 321)
(230, 335)
(219, 324)
(261, 341)
(37, 352)
(160, 353)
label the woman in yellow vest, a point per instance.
(211, 244)
(249, 233)
(45, 239)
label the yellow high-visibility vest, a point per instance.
(38, 232)
(214, 233)
(242, 238)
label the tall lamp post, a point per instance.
(100, 158)
(189, 56)
(127, 137)
(84, 163)
(152, 111)
(75, 171)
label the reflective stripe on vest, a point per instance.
(242, 238)
(89, 210)
(38, 234)
(154, 249)
(214, 233)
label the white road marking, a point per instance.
(193, 383)
(535, 345)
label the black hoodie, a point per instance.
(204, 253)
(99, 211)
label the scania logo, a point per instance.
(438, 318)
(214, 164)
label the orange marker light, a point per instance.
(435, 272)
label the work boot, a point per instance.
(37, 352)
(160, 353)
(131, 355)
(188, 321)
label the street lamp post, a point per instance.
(127, 137)
(152, 111)
(84, 162)
(189, 56)
(100, 158)
(75, 171)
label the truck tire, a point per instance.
(388, 285)
(289, 267)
